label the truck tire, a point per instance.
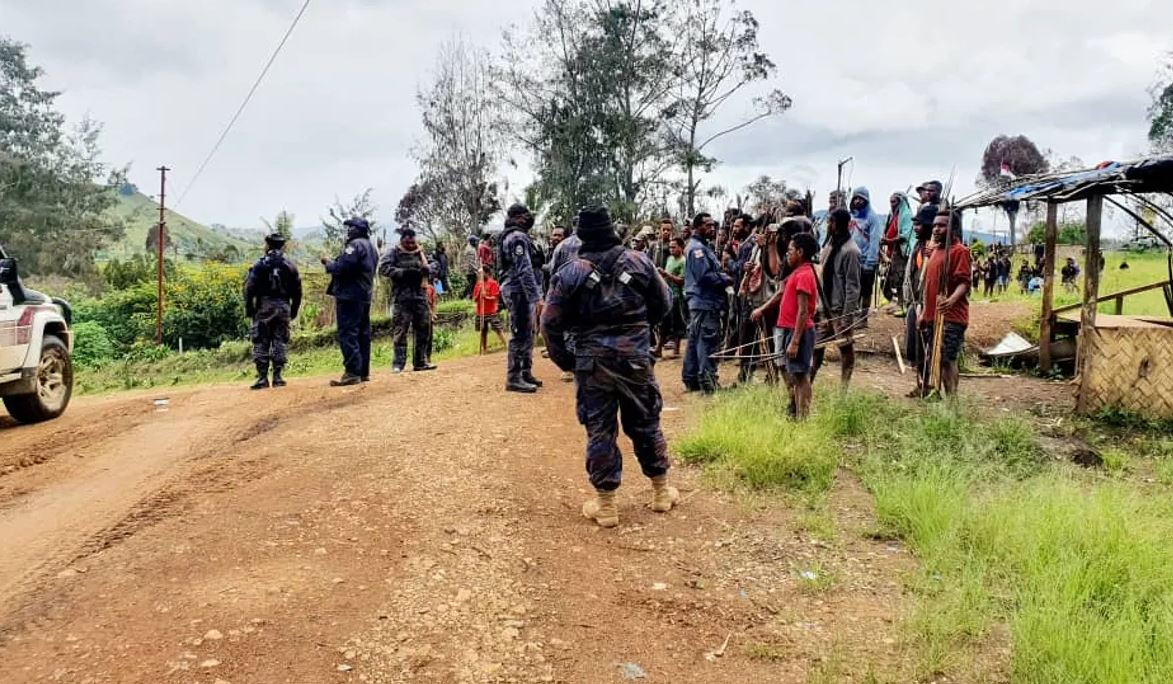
(54, 386)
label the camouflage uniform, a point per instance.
(407, 272)
(272, 297)
(521, 292)
(609, 301)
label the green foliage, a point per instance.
(1161, 110)
(91, 345)
(53, 190)
(1068, 233)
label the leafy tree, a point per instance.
(362, 206)
(281, 225)
(719, 56)
(455, 194)
(1022, 157)
(53, 189)
(1161, 109)
(768, 195)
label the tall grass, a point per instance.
(1076, 571)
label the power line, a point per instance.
(247, 99)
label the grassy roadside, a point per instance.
(232, 362)
(1029, 569)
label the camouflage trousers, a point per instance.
(415, 316)
(615, 391)
(270, 332)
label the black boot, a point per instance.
(515, 383)
(278, 381)
(528, 376)
(262, 376)
(346, 381)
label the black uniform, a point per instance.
(272, 298)
(352, 285)
(609, 297)
(521, 291)
(407, 272)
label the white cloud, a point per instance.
(909, 89)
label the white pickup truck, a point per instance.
(36, 373)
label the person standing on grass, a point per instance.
(866, 229)
(914, 294)
(272, 297)
(675, 325)
(610, 297)
(470, 263)
(352, 284)
(441, 271)
(897, 243)
(407, 269)
(487, 295)
(486, 253)
(842, 269)
(794, 335)
(948, 294)
(705, 286)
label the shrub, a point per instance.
(91, 345)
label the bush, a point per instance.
(91, 345)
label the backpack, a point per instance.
(614, 297)
(271, 276)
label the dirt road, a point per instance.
(419, 528)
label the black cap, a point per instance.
(517, 210)
(934, 183)
(406, 232)
(926, 215)
(358, 223)
(275, 239)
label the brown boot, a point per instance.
(663, 496)
(602, 509)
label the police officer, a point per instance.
(705, 286)
(352, 284)
(609, 297)
(407, 269)
(522, 294)
(272, 298)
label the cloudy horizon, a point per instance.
(337, 113)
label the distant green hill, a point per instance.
(188, 239)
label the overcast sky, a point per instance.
(908, 88)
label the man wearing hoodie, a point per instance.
(522, 294)
(610, 297)
(866, 229)
(897, 241)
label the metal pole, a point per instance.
(839, 180)
(160, 237)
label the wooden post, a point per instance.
(1120, 305)
(1047, 321)
(1091, 292)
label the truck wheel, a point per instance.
(54, 386)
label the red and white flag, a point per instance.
(1005, 172)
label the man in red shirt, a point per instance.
(795, 334)
(487, 295)
(486, 253)
(947, 296)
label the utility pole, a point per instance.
(160, 238)
(839, 180)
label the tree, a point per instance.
(719, 56)
(1161, 109)
(1020, 157)
(768, 195)
(587, 91)
(281, 225)
(332, 225)
(53, 189)
(454, 194)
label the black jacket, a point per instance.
(274, 276)
(354, 270)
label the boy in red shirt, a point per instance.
(487, 295)
(952, 301)
(794, 336)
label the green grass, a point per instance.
(140, 213)
(1073, 568)
(1144, 269)
(232, 363)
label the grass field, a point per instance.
(1029, 568)
(1143, 269)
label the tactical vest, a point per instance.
(611, 296)
(271, 276)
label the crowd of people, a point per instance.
(768, 293)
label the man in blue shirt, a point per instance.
(522, 294)
(867, 228)
(705, 289)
